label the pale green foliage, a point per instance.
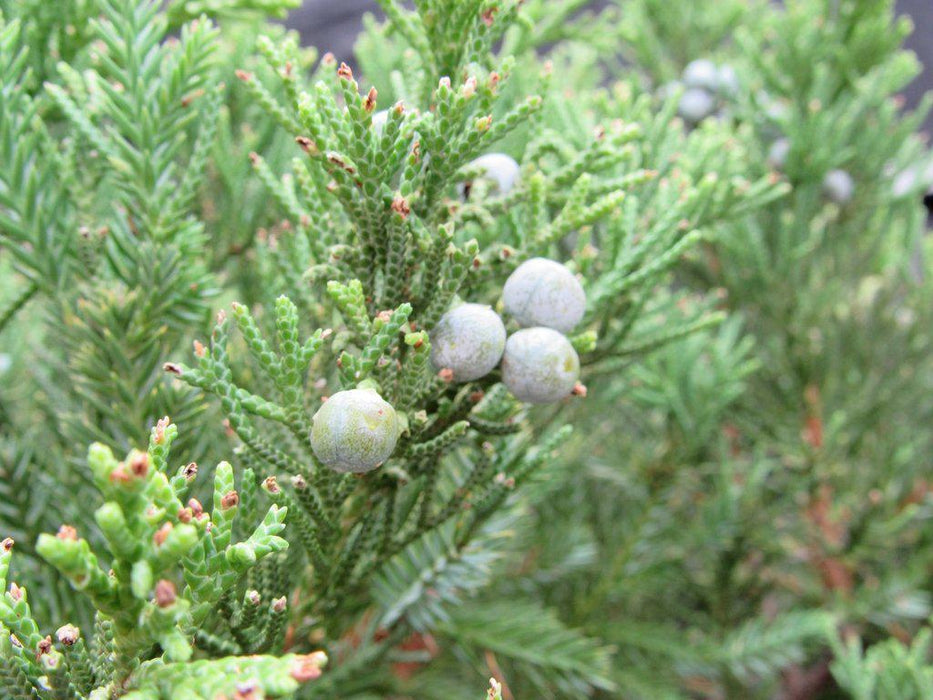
(156, 545)
(884, 671)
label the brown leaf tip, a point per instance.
(370, 104)
(195, 505)
(231, 499)
(191, 471)
(160, 428)
(7, 544)
(271, 485)
(345, 72)
(307, 145)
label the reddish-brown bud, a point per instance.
(139, 465)
(165, 594)
(68, 635)
(308, 666)
(370, 104)
(67, 532)
(43, 647)
(400, 205)
(160, 429)
(196, 507)
(271, 484)
(162, 534)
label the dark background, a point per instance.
(332, 25)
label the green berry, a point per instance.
(354, 431)
(543, 292)
(540, 365)
(469, 341)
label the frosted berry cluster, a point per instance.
(538, 363)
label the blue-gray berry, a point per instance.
(838, 186)
(354, 431)
(702, 73)
(379, 120)
(695, 105)
(543, 292)
(469, 341)
(728, 81)
(777, 154)
(540, 365)
(905, 182)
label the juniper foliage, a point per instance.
(744, 471)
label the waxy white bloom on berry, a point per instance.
(777, 154)
(702, 73)
(469, 341)
(540, 365)
(354, 431)
(379, 121)
(696, 105)
(500, 168)
(543, 292)
(728, 83)
(838, 186)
